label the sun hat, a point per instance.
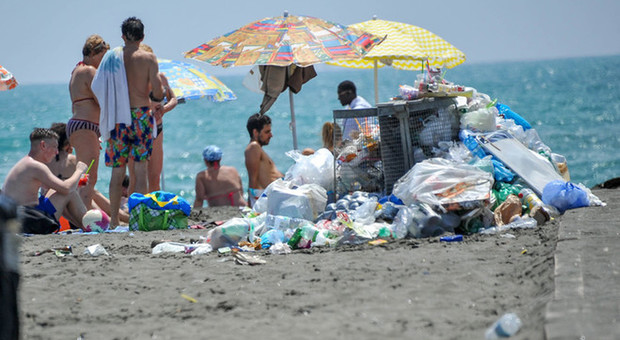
(212, 153)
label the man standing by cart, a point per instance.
(347, 95)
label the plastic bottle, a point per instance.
(529, 198)
(295, 238)
(522, 223)
(517, 223)
(469, 139)
(534, 142)
(536, 207)
(507, 326)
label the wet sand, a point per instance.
(411, 288)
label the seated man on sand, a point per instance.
(40, 214)
(218, 185)
(261, 168)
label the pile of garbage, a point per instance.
(467, 186)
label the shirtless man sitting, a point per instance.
(261, 169)
(40, 214)
(218, 185)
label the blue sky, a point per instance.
(42, 40)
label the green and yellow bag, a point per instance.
(158, 210)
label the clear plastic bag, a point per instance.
(405, 223)
(230, 233)
(439, 181)
(364, 214)
(408, 92)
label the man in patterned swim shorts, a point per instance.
(134, 140)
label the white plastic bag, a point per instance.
(317, 168)
(260, 205)
(306, 201)
(252, 81)
(168, 247)
(289, 202)
(482, 120)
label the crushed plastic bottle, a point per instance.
(523, 223)
(517, 223)
(507, 326)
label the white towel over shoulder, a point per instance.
(110, 88)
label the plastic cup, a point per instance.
(560, 162)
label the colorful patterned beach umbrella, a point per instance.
(285, 40)
(7, 81)
(406, 47)
(188, 82)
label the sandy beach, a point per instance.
(410, 288)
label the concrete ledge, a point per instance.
(586, 302)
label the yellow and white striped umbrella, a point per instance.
(405, 47)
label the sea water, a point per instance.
(574, 104)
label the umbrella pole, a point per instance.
(376, 85)
(293, 124)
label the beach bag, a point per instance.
(158, 210)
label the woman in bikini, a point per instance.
(218, 185)
(83, 127)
